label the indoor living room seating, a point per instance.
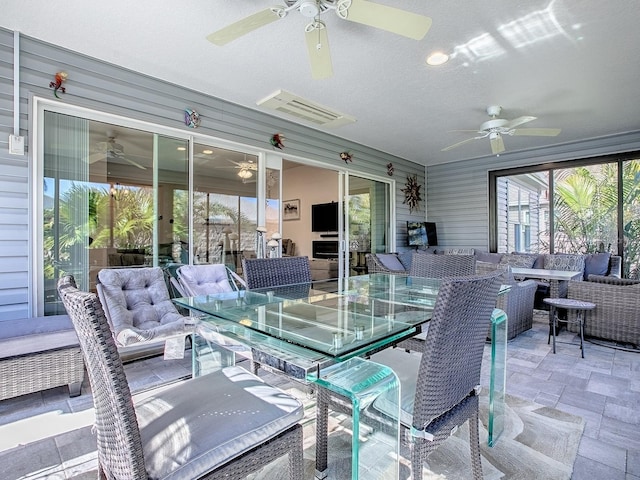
(189, 430)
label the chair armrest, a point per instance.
(611, 280)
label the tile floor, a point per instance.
(43, 435)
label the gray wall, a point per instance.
(109, 88)
(458, 193)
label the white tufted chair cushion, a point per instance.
(138, 304)
(204, 279)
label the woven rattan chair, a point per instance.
(617, 313)
(440, 387)
(226, 424)
(205, 279)
(272, 272)
(437, 266)
(441, 266)
(518, 303)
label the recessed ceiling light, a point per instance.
(181, 149)
(437, 58)
(207, 152)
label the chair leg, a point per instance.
(474, 443)
(581, 321)
(322, 432)
(417, 459)
(296, 458)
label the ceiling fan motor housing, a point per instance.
(495, 125)
(309, 8)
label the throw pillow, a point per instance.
(519, 260)
(488, 257)
(405, 259)
(390, 261)
(564, 262)
(596, 264)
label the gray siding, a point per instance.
(108, 88)
(458, 193)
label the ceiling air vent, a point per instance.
(290, 104)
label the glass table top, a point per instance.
(336, 318)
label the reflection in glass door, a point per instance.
(368, 221)
(104, 187)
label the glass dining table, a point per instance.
(321, 333)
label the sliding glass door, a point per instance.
(112, 197)
(367, 221)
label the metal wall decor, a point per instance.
(390, 169)
(191, 118)
(277, 140)
(59, 79)
(346, 156)
(412, 193)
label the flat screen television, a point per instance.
(324, 217)
(417, 234)
(421, 234)
(432, 235)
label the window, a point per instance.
(582, 206)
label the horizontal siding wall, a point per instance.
(108, 88)
(458, 193)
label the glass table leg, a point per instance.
(360, 382)
(498, 378)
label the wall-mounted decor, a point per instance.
(276, 140)
(412, 193)
(191, 118)
(346, 156)
(291, 209)
(60, 78)
(390, 169)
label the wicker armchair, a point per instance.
(439, 388)
(518, 303)
(191, 430)
(375, 265)
(205, 279)
(617, 313)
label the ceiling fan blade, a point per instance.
(242, 27)
(135, 164)
(387, 18)
(537, 132)
(457, 144)
(318, 49)
(96, 157)
(519, 121)
(497, 144)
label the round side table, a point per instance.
(569, 304)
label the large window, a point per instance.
(571, 207)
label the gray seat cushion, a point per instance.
(138, 305)
(204, 279)
(181, 445)
(33, 335)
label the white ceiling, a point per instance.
(574, 65)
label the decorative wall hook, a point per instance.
(60, 78)
(191, 118)
(390, 169)
(276, 140)
(346, 156)
(412, 193)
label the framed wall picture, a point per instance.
(291, 209)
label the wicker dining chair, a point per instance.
(226, 424)
(440, 387)
(272, 272)
(205, 279)
(441, 266)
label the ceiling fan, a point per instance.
(387, 18)
(111, 150)
(496, 128)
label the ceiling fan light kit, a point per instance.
(496, 128)
(394, 20)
